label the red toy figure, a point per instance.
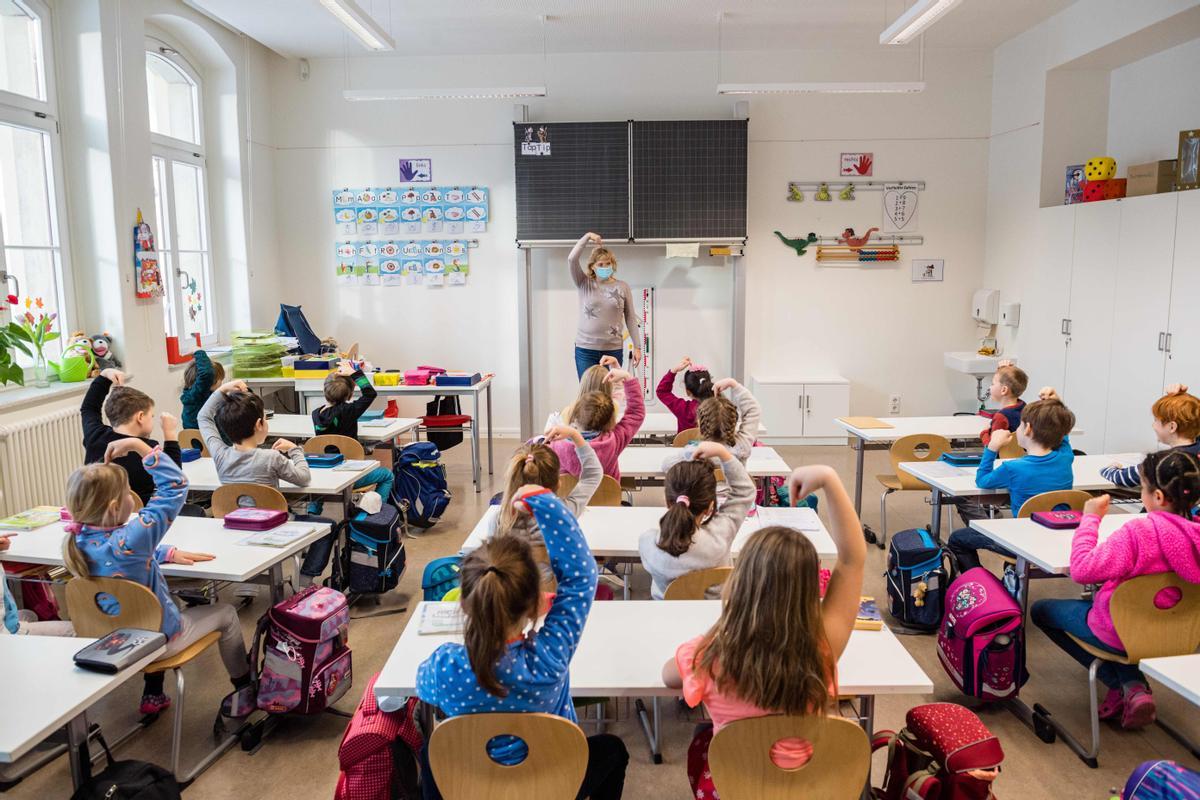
(855, 242)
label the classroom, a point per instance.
(551, 399)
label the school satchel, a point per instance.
(129, 780)
(306, 663)
(444, 406)
(917, 574)
(373, 558)
(1161, 780)
(981, 643)
(944, 752)
(420, 484)
(378, 754)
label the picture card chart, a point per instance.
(394, 262)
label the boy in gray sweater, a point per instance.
(238, 413)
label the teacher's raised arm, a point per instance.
(605, 307)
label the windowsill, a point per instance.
(14, 398)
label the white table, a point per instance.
(646, 461)
(300, 426)
(314, 389)
(1180, 674)
(662, 425)
(45, 691)
(234, 563)
(949, 481)
(624, 647)
(202, 477)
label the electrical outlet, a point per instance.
(894, 404)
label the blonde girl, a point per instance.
(537, 464)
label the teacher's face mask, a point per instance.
(604, 273)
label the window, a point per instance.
(180, 194)
(32, 255)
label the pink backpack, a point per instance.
(377, 756)
(981, 643)
(306, 663)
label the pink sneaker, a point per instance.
(1113, 705)
(154, 703)
(1139, 709)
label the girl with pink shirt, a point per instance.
(595, 415)
(1167, 540)
(776, 657)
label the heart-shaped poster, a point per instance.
(900, 208)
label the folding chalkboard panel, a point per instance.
(582, 185)
(689, 179)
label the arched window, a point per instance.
(180, 193)
(32, 254)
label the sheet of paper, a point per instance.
(374, 423)
(441, 618)
(940, 469)
(277, 537)
(802, 519)
(356, 465)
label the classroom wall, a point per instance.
(1150, 101)
(873, 326)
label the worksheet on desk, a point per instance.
(940, 469)
(803, 519)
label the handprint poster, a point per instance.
(857, 165)
(416, 170)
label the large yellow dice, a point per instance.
(1100, 169)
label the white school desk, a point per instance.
(44, 691)
(646, 461)
(300, 426)
(960, 481)
(234, 563)
(624, 647)
(202, 477)
(661, 426)
(1180, 674)
(309, 390)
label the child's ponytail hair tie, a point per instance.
(529, 458)
(684, 500)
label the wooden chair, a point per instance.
(566, 484)
(905, 449)
(1147, 632)
(1073, 499)
(462, 768)
(139, 608)
(695, 585)
(336, 443)
(683, 438)
(608, 493)
(190, 437)
(1011, 449)
(228, 498)
(740, 759)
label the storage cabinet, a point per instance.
(1182, 340)
(802, 410)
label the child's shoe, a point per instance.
(1139, 708)
(154, 704)
(1113, 705)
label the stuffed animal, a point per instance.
(80, 344)
(102, 349)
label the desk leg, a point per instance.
(1019, 708)
(935, 522)
(77, 750)
(489, 417)
(475, 470)
(276, 577)
(858, 475)
(347, 501)
(650, 729)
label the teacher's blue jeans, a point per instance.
(589, 358)
(1057, 618)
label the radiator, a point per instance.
(36, 457)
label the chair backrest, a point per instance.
(740, 759)
(139, 608)
(694, 585)
(333, 442)
(190, 437)
(566, 484)
(462, 768)
(905, 449)
(1011, 449)
(684, 437)
(608, 493)
(1148, 631)
(229, 496)
(1049, 501)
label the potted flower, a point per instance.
(35, 331)
(10, 370)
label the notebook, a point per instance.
(36, 517)
(441, 618)
(356, 465)
(282, 536)
(380, 422)
(119, 649)
(869, 618)
(864, 423)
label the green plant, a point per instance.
(25, 333)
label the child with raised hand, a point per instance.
(200, 379)
(536, 464)
(695, 533)
(778, 657)
(238, 413)
(340, 416)
(1166, 540)
(697, 383)
(1176, 425)
(102, 541)
(506, 662)
(595, 416)
(595, 379)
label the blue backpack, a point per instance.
(440, 576)
(1161, 780)
(420, 483)
(918, 573)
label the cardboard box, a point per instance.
(1152, 178)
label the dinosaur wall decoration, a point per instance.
(854, 242)
(799, 245)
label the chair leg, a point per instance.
(1088, 756)
(883, 518)
(177, 722)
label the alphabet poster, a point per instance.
(900, 208)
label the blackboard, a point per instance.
(582, 185)
(689, 179)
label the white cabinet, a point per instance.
(802, 410)
(1046, 302)
(1183, 342)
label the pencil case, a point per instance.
(1058, 520)
(324, 460)
(417, 377)
(189, 454)
(457, 379)
(254, 519)
(386, 378)
(963, 458)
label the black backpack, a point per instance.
(373, 558)
(919, 572)
(441, 405)
(129, 780)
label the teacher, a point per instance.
(605, 307)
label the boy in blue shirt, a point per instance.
(1046, 467)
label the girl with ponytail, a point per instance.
(695, 533)
(697, 383)
(1165, 540)
(506, 662)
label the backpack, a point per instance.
(443, 405)
(292, 322)
(421, 484)
(440, 576)
(377, 756)
(1161, 780)
(373, 558)
(129, 780)
(944, 752)
(917, 575)
(306, 664)
(981, 643)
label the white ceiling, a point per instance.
(303, 28)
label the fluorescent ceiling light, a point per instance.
(829, 87)
(916, 19)
(494, 93)
(360, 24)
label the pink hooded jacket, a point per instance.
(1161, 542)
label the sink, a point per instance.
(972, 363)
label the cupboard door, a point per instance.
(1085, 387)
(823, 403)
(1139, 322)
(782, 407)
(1183, 358)
(1041, 344)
